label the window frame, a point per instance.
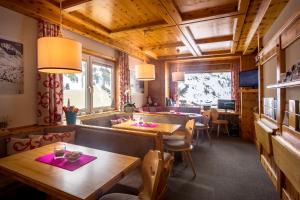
(209, 71)
(89, 59)
(104, 63)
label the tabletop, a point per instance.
(163, 128)
(87, 182)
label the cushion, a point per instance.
(115, 121)
(45, 139)
(17, 145)
(68, 137)
(119, 196)
(178, 135)
(175, 145)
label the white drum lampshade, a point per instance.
(59, 55)
(145, 72)
(177, 76)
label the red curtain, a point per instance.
(123, 66)
(235, 94)
(50, 86)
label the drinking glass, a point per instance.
(59, 151)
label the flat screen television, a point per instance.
(226, 104)
(249, 78)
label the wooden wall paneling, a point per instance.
(291, 34)
(156, 88)
(281, 92)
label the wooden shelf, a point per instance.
(285, 85)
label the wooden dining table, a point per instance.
(89, 181)
(162, 128)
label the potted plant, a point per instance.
(129, 107)
(71, 113)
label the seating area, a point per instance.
(149, 99)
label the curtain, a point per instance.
(123, 66)
(235, 94)
(49, 86)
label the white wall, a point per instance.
(21, 109)
(138, 98)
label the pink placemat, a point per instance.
(152, 125)
(64, 163)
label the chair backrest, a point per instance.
(151, 171)
(189, 127)
(214, 114)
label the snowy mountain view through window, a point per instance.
(204, 88)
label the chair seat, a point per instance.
(199, 125)
(220, 121)
(119, 196)
(178, 135)
(177, 145)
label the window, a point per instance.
(102, 84)
(75, 88)
(93, 89)
(204, 88)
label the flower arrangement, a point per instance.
(70, 109)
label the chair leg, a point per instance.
(226, 127)
(197, 138)
(184, 159)
(191, 162)
(208, 136)
(218, 130)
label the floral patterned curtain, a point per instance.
(235, 94)
(123, 66)
(50, 86)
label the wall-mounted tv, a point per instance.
(249, 78)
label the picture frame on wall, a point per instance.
(11, 67)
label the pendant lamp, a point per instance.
(177, 76)
(58, 54)
(145, 72)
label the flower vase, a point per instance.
(71, 117)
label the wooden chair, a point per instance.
(203, 126)
(184, 146)
(219, 122)
(151, 171)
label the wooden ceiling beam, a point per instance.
(144, 27)
(169, 59)
(239, 23)
(198, 41)
(73, 5)
(45, 10)
(86, 20)
(207, 13)
(174, 57)
(172, 16)
(263, 8)
(217, 52)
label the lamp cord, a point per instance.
(60, 19)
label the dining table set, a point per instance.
(69, 171)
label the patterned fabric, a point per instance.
(235, 94)
(123, 66)
(68, 137)
(50, 86)
(45, 139)
(17, 145)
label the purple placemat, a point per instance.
(64, 163)
(152, 125)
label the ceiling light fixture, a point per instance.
(58, 54)
(145, 71)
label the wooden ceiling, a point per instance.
(163, 29)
